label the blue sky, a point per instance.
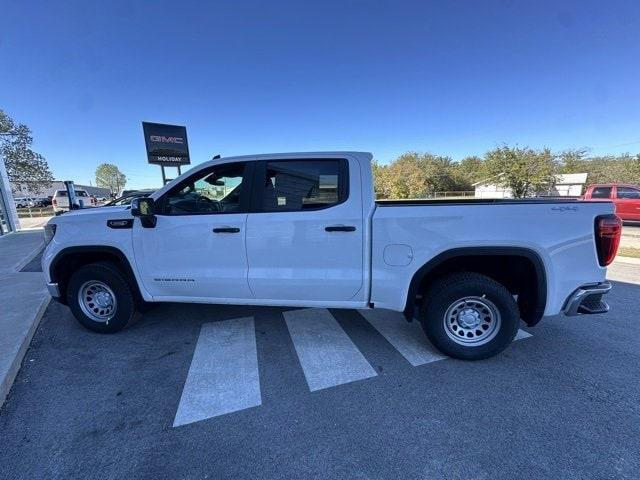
(453, 78)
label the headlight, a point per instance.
(49, 232)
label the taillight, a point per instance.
(608, 233)
(54, 202)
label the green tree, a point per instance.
(109, 176)
(634, 169)
(24, 166)
(418, 175)
(523, 170)
(573, 161)
(406, 177)
(470, 170)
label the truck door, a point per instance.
(305, 238)
(197, 248)
(628, 202)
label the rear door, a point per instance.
(628, 202)
(305, 238)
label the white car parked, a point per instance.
(304, 230)
(24, 202)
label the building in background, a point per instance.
(567, 185)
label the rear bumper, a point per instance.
(587, 300)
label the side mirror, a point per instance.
(144, 208)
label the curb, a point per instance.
(7, 382)
(29, 257)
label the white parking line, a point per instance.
(522, 335)
(407, 338)
(326, 353)
(223, 376)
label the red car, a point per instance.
(625, 196)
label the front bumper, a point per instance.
(587, 300)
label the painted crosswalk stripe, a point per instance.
(522, 334)
(327, 355)
(223, 376)
(409, 338)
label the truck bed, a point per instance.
(560, 232)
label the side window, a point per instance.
(214, 190)
(628, 193)
(601, 192)
(296, 185)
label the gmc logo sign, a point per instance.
(167, 145)
(163, 139)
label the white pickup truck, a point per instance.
(60, 200)
(303, 230)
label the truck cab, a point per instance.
(625, 197)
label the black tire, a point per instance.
(108, 274)
(481, 297)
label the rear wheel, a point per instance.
(469, 316)
(101, 298)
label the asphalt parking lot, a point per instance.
(196, 391)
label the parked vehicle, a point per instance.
(42, 202)
(60, 200)
(626, 198)
(24, 202)
(126, 199)
(303, 230)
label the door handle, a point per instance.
(226, 230)
(340, 228)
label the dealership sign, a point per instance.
(166, 144)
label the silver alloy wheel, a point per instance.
(97, 301)
(472, 321)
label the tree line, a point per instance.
(524, 170)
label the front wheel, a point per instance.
(469, 316)
(101, 298)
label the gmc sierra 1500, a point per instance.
(304, 230)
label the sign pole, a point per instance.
(164, 177)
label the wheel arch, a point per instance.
(70, 259)
(525, 276)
